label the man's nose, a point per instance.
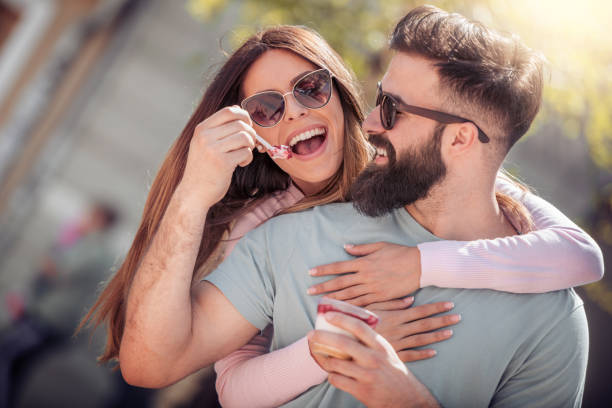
(372, 124)
(293, 110)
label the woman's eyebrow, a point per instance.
(298, 77)
(292, 82)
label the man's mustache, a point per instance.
(379, 140)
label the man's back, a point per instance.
(508, 350)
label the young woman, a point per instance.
(212, 188)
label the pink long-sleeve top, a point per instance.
(556, 255)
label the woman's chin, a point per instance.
(312, 184)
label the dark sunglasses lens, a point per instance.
(266, 109)
(387, 112)
(314, 90)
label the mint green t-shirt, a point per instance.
(508, 350)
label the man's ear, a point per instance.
(462, 137)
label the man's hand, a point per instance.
(383, 272)
(375, 376)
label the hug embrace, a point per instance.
(404, 211)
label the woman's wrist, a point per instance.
(191, 207)
(418, 267)
(413, 265)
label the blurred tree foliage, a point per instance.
(574, 37)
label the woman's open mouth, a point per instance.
(308, 142)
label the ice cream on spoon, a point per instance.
(276, 152)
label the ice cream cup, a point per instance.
(333, 305)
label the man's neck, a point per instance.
(462, 214)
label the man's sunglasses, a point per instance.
(389, 107)
(312, 91)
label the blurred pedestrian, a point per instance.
(43, 320)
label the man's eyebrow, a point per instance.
(397, 98)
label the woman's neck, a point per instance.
(309, 188)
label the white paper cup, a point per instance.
(333, 305)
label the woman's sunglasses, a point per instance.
(312, 91)
(389, 107)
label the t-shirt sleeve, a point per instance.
(553, 374)
(246, 279)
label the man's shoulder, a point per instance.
(562, 308)
(541, 310)
(558, 303)
(562, 302)
(509, 312)
(516, 334)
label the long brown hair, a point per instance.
(249, 184)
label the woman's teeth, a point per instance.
(306, 135)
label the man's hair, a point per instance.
(488, 77)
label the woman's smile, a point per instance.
(308, 143)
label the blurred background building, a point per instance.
(93, 92)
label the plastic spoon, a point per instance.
(276, 152)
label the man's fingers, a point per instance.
(338, 283)
(334, 268)
(359, 329)
(352, 347)
(348, 368)
(415, 355)
(364, 249)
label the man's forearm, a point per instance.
(159, 311)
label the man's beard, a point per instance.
(380, 189)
